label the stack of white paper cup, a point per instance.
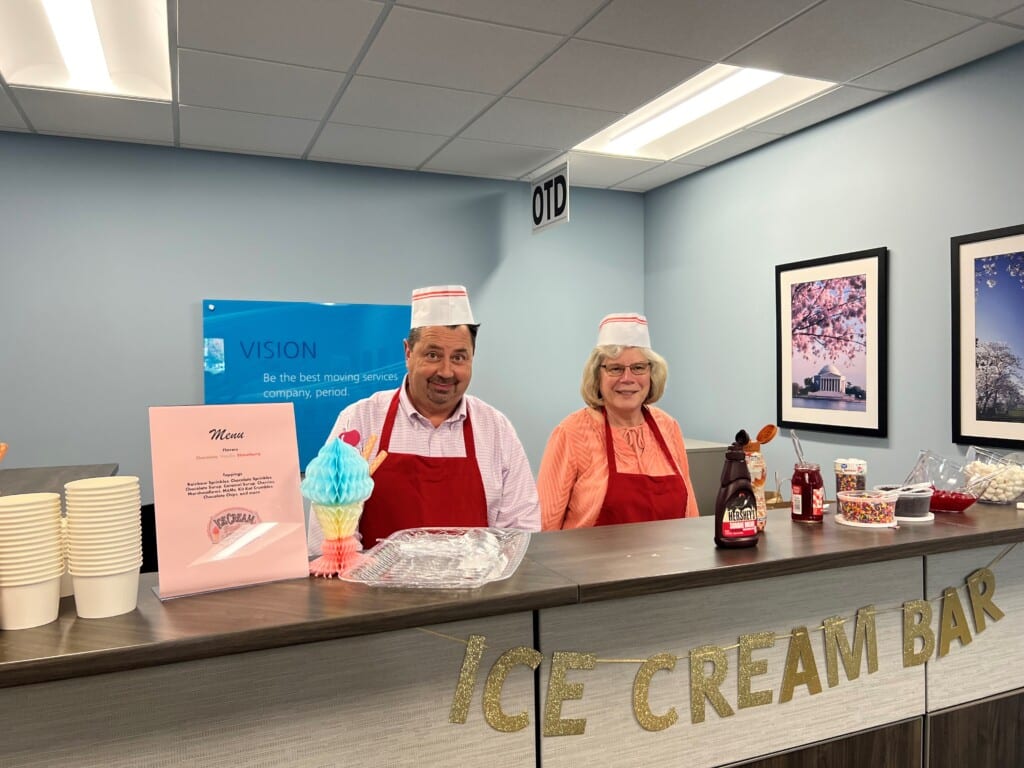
(104, 537)
(31, 560)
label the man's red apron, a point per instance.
(640, 498)
(411, 491)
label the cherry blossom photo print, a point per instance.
(831, 316)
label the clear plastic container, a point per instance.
(1007, 484)
(955, 488)
(868, 507)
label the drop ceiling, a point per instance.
(503, 88)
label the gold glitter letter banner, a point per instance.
(559, 690)
(642, 692)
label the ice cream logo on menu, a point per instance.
(229, 522)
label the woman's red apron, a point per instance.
(411, 491)
(640, 498)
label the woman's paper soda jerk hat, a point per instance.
(441, 305)
(624, 330)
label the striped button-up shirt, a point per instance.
(508, 481)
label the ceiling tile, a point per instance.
(248, 85)
(965, 47)
(537, 124)
(694, 28)
(244, 132)
(987, 8)
(105, 117)
(833, 103)
(1015, 17)
(485, 158)
(407, 106)
(476, 56)
(561, 17)
(841, 40)
(374, 146)
(657, 177)
(591, 170)
(311, 33)
(9, 117)
(730, 146)
(599, 76)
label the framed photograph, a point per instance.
(988, 337)
(832, 329)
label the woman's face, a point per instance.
(623, 389)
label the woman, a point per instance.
(617, 460)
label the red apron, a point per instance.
(411, 491)
(640, 498)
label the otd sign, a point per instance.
(549, 200)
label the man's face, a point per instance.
(440, 365)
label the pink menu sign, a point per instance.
(226, 492)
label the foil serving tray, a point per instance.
(441, 558)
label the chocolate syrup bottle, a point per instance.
(736, 505)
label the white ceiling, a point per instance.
(501, 88)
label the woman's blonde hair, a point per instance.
(590, 387)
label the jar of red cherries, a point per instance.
(808, 487)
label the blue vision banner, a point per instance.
(321, 357)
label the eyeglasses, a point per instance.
(637, 369)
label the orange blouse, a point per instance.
(573, 473)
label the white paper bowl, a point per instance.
(97, 597)
(29, 605)
(76, 557)
(28, 501)
(99, 546)
(101, 483)
(8, 559)
(23, 542)
(105, 569)
(12, 522)
(104, 542)
(100, 512)
(94, 510)
(104, 522)
(30, 561)
(44, 553)
(31, 577)
(124, 557)
(120, 497)
(102, 493)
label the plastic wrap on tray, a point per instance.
(441, 558)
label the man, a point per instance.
(452, 459)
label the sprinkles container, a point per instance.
(868, 507)
(851, 475)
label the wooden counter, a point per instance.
(561, 568)
(315, 647)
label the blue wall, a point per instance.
(907, 172)
(108, 249)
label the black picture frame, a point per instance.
(832, 327)
(987, 274)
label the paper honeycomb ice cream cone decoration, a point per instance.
(338, 520)
(337, 483)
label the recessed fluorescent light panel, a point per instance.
(719, 101)
(109, 47)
